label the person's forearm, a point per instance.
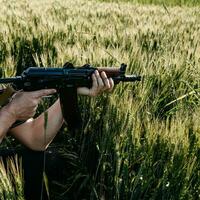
(6, 121)
(54, 122)
(32, 133)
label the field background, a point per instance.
(143, 140)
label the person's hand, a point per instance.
(23, 105)
(100, 83)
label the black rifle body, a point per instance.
(36, 78)
(66, 80)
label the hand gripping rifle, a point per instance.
(66, 80)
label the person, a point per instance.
(22, 106)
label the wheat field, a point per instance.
(145, 135)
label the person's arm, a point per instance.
(32, 132)
(6, 121)
(22, 107)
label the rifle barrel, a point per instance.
(127, 78)
(10, 80)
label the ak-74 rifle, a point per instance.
(66, 80)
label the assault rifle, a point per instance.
(66, 80)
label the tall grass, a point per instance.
(160, 2)
(141, 141)
(11, 179)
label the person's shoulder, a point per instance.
(2, 88)
(5, 93)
